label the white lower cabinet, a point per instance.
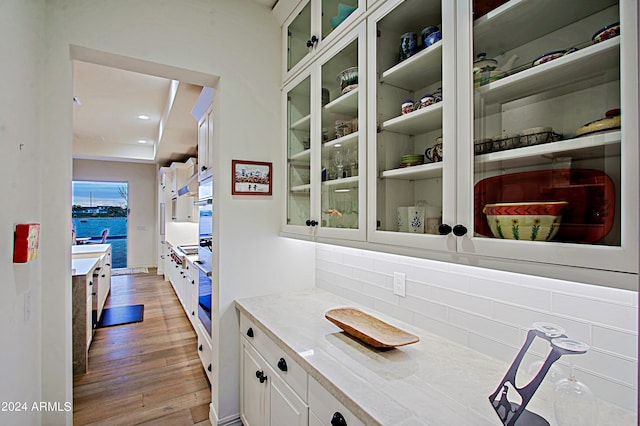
(265, 398)
(325, 409)
(205, 349)
(276, 390)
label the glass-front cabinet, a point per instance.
(326, 128)
(548, 119)
(314, 23)
(412, 138)
(500, 133)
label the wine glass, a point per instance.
(574, 403)
(338, 160)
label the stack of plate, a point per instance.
(411, 160)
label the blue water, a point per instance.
(93, 227)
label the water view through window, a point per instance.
(100, 209)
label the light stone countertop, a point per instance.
(84, 265)
(89, 248)
(432, 382)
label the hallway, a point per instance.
(147, 372)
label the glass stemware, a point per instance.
(574, 403)
(338, 160)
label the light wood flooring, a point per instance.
(146, 373)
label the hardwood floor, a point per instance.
(146, 373)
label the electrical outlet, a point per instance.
(399, 284)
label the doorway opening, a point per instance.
(99, 214)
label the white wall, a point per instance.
(141, 249)
(20, 174)
(491, 311)
(239, 41)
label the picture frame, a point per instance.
(251, 177)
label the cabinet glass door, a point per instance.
(298, 34)
(548, 136)
(298, 103)
(414, 147)
(341, 115)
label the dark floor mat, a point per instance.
(121, 315)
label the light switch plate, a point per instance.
(399, 284)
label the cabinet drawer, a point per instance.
(325, 406)
(204, 350)
(289, 370)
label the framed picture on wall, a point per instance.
(250, 178)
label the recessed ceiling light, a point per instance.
(141, 141)
(143, 117)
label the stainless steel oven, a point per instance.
(205, 251)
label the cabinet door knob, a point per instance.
(203, 168)
(311, 222)
(250, 332)
(209, 368)
(200, 348)
(193, 313)
(313, 41)
(444, 229)
(260, 375)
(282, 364)
(338, 419)
(459, 230)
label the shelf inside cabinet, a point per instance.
(349, 182)
(422, 171)
(599, 60)
(525, 20)
(416, 122)
(345, 104)
(347, 140)
(303, 124)
(584, 147)
(418, 71)
(301, 188)
(301, 156)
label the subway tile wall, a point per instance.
(491, 311)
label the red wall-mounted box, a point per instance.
(25, 242)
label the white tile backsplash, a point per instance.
(490, 311)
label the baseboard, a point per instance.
(233, 420)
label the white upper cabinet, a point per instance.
(505, 137)
(554, 123)
(325, 126)
(312, 25)
(412, 122)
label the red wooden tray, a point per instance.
(591, 195)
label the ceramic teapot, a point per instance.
(434, 154)
(486, 70)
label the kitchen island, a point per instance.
(434, 381)
(91, 283)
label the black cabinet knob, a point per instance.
(193, 282)
(338, 419)
(459, 230)
(260, 375)
(313, 41)
(209, 368)
(203, 168)
(250, 332)
(193, 313)
(444, 229)
(311, 222)
(200, 348)
(282, 364)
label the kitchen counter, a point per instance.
(85, 265)
(84, 249)
(434, 381)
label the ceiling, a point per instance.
(108, 101)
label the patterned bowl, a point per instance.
(531, 221)
(348, 79)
